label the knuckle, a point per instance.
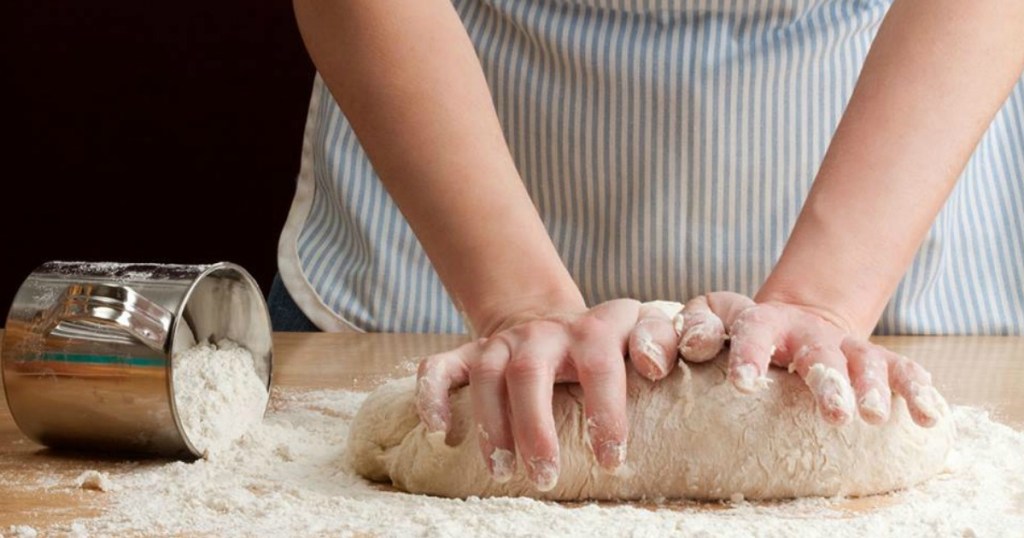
(659, 328)
(524, 368)
(650, 323)
(589, 328)
(428, 365)
(599, 366)
(812, 354)
(743, 347)
(875, 362)
(486, 371)
(856, 346)
(878, 357)
(816, 352)
(531, 331)
(653, 313)
(624, 303)
(906, 369)
(426, 389)
(756, 314)
(869, 366)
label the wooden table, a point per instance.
(979, 371)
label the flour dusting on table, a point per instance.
(287, 477)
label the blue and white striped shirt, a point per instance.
(668, 146)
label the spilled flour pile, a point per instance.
(287, 477)
(218, 394)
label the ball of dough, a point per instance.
(692, 435)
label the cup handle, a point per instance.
(91, 311)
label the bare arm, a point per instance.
(407, 78)
(937, 73)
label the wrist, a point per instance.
(498, 311)
(841, 263)
(851, 316)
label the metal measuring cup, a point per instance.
(88, 349)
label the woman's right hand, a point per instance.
(512, 372)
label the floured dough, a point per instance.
(692, 436)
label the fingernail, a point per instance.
(609, 454)
(834, 394)
(745, 378)
(434, 421)
(837, 409)
(872, 405)
(503, 464)
(651, 369)
(697, 345)
(929, 402)
(612, 455)
(432, 417)
(653, 357)
(544, 474)
(649, 348)
(678, 322)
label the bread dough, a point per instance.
(692, 435)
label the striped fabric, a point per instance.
(668, 146)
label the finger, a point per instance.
(652, 344)
(911, 381)
(599, 363)
(728, 305)
(823, 367)
(869, 373)
(530, 377)
(437, 374)
(701, 332)
(490, 409)
(754, 336)
(620, 315)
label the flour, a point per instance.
(21, 531)
(218, 395)
(96, 481)
(285, 477)
(831, 387)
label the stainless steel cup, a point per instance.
(89, 349)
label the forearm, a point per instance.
(937, 73)
(407, 78)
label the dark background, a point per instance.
(148, 132)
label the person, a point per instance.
(530, 171)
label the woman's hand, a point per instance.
(511, 375)
(846, 374)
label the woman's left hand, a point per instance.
(846, 374)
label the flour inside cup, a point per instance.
(218, 394)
